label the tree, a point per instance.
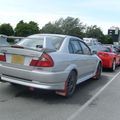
(51, 28)
(107, 39)
(68, 26)
(72, 26)
(25, 29)
(94, 32)
(34, 27)
(6, 29)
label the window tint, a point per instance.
(86, 50)
(74, 47)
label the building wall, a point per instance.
(114, 33)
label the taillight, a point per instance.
(2, 57)
(44, 61)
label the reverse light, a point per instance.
(44, 61)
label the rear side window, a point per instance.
(55, 41)
(75, 47)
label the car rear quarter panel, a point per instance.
(67, 62)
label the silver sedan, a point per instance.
(49, 61)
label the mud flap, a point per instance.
(62, 92)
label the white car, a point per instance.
(93, 44)
(49, 61)
(3, 40)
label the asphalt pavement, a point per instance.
(104, 105)
(19, 103)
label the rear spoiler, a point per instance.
(45, 50)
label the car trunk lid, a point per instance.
(17, 55)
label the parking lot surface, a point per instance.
(104, 106)
(19, 103)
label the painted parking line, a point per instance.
(74, 115)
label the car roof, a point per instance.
(57, 35)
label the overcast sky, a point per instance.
(103, 13)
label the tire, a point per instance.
(113, 66)
(71, 83)
(98, 72)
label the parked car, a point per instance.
(117, 47)
(93, 44)
(110, 57)
(49, 61)
(3, 40)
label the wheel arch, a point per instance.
(99, 62)
(72, 68)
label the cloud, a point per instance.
(103, 13)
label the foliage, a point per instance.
(51, 28)
(68, 26)
(94, 32)
(24, 29)
(107, 39)
(6, 29)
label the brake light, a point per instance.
(44, 61)
(2, 57)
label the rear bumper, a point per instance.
(34, 84)
(34, 78)
(106, 63)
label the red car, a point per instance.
(110, 57)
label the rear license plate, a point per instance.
(17, 59)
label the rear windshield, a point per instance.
(52, 42)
